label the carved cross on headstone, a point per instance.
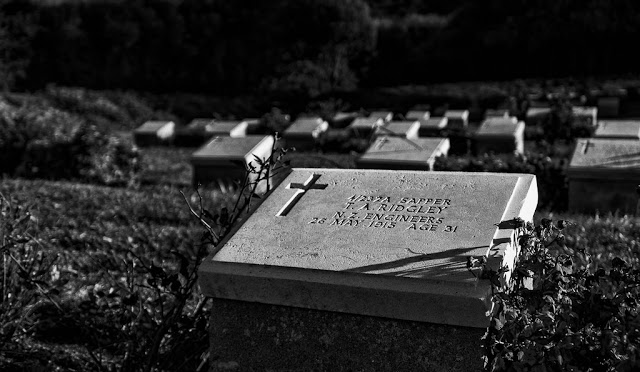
(586, 145)
(309, 184)
(381, 142)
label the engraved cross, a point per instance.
(586, 145)
(381, 142)
(309, 184)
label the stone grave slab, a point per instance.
(385, 115)
(432, 127)
(231, 128)
(500, 135)
(603, 175)
(417, 115)
(379, 243)
(154, 133)
(303, 132)
(585, 115)
(496, 113)
(458, 119)
(536, 116)
(343, 119)
(222, 161)
(621, 129)
(407, 129)
(403, 154)
(365, 127)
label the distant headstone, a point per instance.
(303, 132)
(432, 127)
(384, 115)
(609, 107)
(364, 127)
(417, 115)
(153, 133)
(603, 175)
(620, 129)
(403, 154)
(499, 113)
(343, 119)
(586, 116)
(536, 116)
(457, 119)
(380, 243)
(223, 160)
(500, 135)
(406, 129)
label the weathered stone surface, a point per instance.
(302, 133)
(406, 129)
(458, 119)
(417, 115)
(373, 242)
(343, 119)
(620, 129)
(500, 135)
(403, 154)
(153, 133)
(222, 160)
(249, 336)
(603, 175)
(384, 115)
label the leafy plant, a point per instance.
(561, 313)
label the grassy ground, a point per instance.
(93, 227)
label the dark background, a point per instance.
(310, 47)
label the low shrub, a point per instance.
(561, 311)
(39, 141)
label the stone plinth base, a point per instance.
(247, 336)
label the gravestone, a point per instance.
(365, 127)
(403, 154)
(417, 115)
(585, 115)
(457, 119)
(303, 132)
(432, 127)
(154, 133)
(496, 113)
(223, 160)
(500, 135)
(609, 107)
(536, 116)
(603, 175)
(385, 115)
(335, 258)
(620, 129)
(343, 119)
(406, 129)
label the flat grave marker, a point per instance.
(375, 242)
(385, 115)
(388, 152)
(500, 135)
(406, 129)
(457, 119)
(496, 113)
(603, 175)
(153, 133)
(620, 129)
(417, 115)
(303, 132)
(432, 127)
(222, 161)
(585, 115)
(364, 127)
